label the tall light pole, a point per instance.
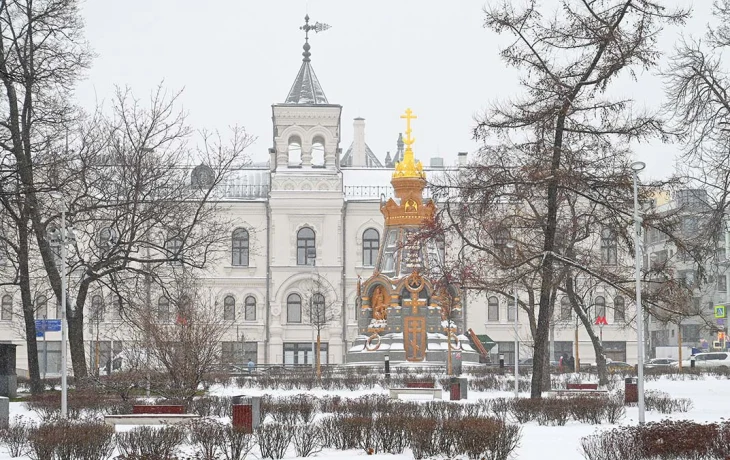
(636, 167)
(512, 247)
(64, 325)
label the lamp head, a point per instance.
(638, 166)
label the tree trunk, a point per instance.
(36, 385)
(76, 346)
(318, 357)
(679, 341)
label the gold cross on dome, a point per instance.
(408, 117)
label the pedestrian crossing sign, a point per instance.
(720, 311)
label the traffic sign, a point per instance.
(720, 321)
(720, 311)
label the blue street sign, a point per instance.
(47, 325)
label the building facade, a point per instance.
(311, 211)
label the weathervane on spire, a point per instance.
(317, 27)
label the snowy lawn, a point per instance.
(710, 397)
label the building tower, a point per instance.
(305, 208)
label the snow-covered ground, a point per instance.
(710, 397)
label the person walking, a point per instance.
(251, 366)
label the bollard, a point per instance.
(692, 362)
(387, 368)
(501, 361)
(4, 412)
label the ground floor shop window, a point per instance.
(239, 353)
(507, 349)
(302, 353)
(49, 357)
(615, 351)
(105, 356)
(562, 349)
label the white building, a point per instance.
(306, 212)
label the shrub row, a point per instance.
(62, 440)
(680, 439)
(557, 411)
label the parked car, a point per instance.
(705, 360)
(658, 363)
(529, 361)
(619, 366)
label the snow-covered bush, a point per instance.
(63, 440)
(15, 436)
(151, 442)
(273, 439)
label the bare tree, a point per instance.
(565, 137)
(138, 206)
(184, 341)
(321, 308)
(42, 53)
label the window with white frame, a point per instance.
(163, 309)
(566, 309)
(6, 305)
(493, 309)
(239, 248)
(511, 309)
(370, 247)
(600, 305)
(294, 308)
(229, 308)
(306, 250)
(250, 308)
(97, 309)
(173, 247)
(609, 246)
(41, 307)
(619, 309)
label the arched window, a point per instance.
(163, 309)
(318, 153)
(306, 251)
(566, 310)
(600, 306)
(609, 247)
(294, 308)
(7, 308)
(116, 310)
(97, 309)
(295, 151)
(619, 309)
(229, 308)
(511, 309)
(173, 246)
(239, 248)
(318, 315)
(41, 307)
(370, 247)
(250, 313)
(493, 309)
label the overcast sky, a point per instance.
(234, 58)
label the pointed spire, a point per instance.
(399, 152)
(306, 88)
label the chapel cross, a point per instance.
(408, 117)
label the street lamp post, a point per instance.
(511, 246)
(636, 167)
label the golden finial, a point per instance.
(409, 167)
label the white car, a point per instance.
(705, 360)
